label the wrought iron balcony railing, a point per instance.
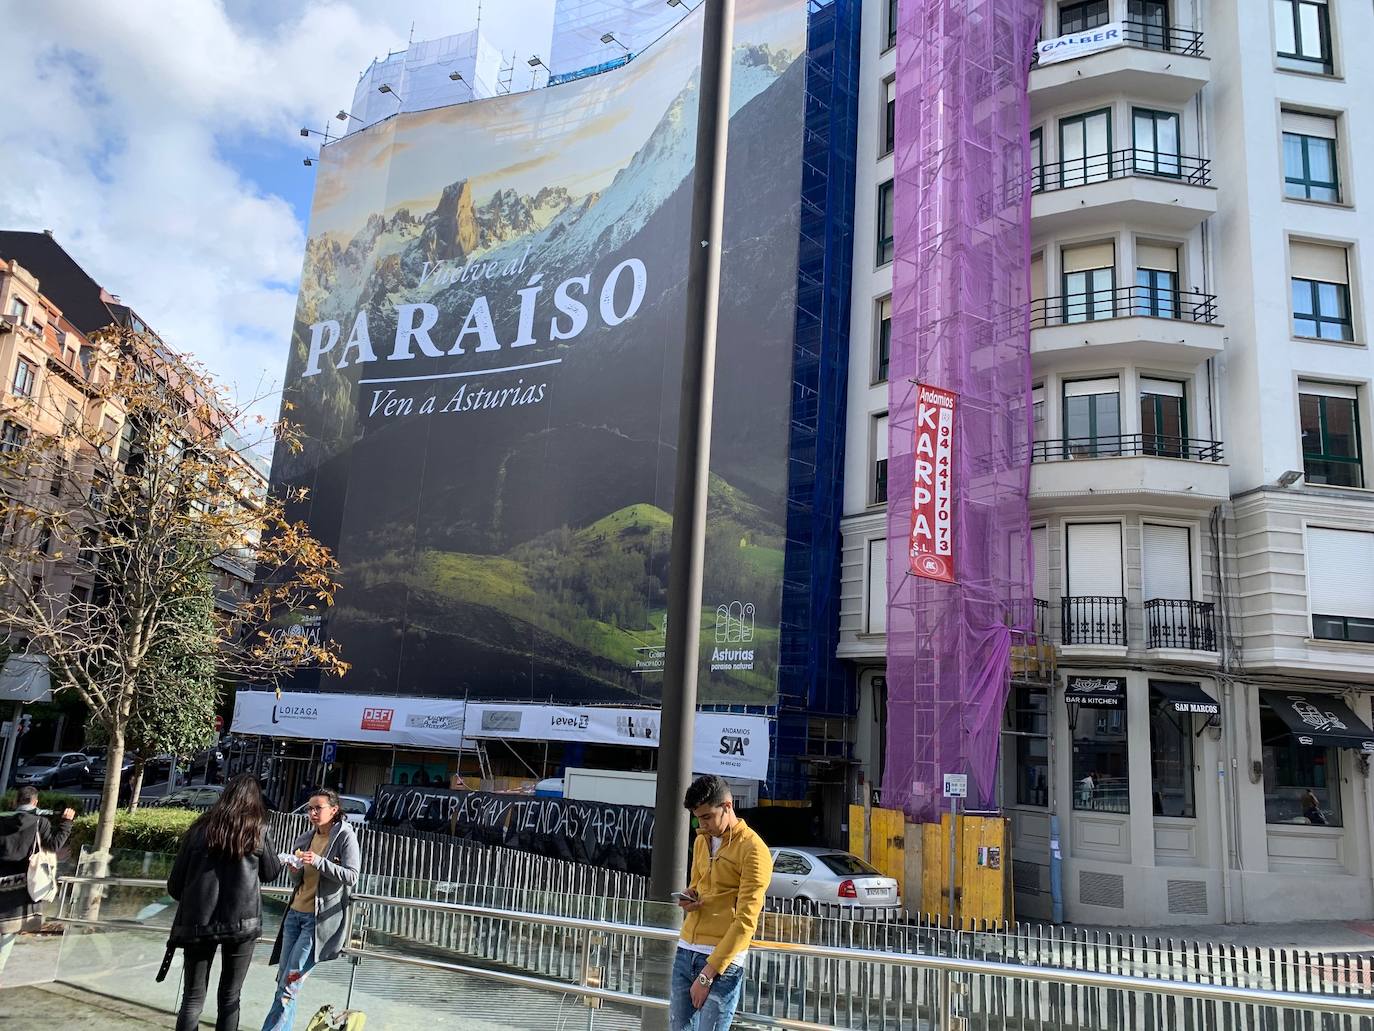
(1181, 623)
(1123, 302)
(1093, 619)
(1097, 168)
(1154, 445)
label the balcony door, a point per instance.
(1151, 19)
(1156, 281)
(1085, 148)
(1155, 137)
(1094, 605)
(1163, 419)
(1168, 585)
(1089, 282)
(1092, 417)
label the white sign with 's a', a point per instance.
(956, 785)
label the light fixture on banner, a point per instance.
(932, 488)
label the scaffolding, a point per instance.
(960, 293)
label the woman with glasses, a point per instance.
(217, 878)
(324, 861)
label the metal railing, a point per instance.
(1093, 619)
(1123, 302)
(1126, 445)
(1141, 34)
(1067, 173)
(621, 965)
(1181, 623)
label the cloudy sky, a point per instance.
(159, 140)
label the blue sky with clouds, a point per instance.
(159, 140)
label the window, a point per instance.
(80, 595)
(1155, 136)
(885, 197)
(1040, 555)
(1302, 783)
(1101, 774)
(1309, 158)
(1156, 281)
(1321, 291)
(879, 452)
(1085, 147)
(1087, 14)
(891, 24)
(1171, 759)
(890, 122)
(877, 588)
(1342, 605)
(24, 376)
(44, 540)
(1037, 160)
(59, 475)
(20, 308)
(1163, 419)
(1094, 560)
(884, 320)
(791, 863)
(13, 437)
(1092, 417)
(1038, 413)
(1151, 18)
(1330, 421)
(1089, 282)
(1030, 724)
(1303, 31)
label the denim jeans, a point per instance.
(297, 959)
(718, 1010)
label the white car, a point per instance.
(355, 808)
(828, 876)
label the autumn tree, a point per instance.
(156, 486)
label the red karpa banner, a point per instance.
(932, 494)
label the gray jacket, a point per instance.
(338, 868)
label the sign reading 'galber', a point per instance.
(932, 497)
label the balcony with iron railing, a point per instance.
(1159, 63)
(1093, 619)
(1128, 323)
(1126, 468)
(1168, 191)
(1180, 623)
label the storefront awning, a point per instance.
(1100, 692)
(1322, 720)
(1186, 698)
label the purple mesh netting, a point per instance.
(960, 292)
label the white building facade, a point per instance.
(1201, 519)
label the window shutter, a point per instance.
(1038, 277)
(1338, 568)
(879, 438)
(877, 587)
(1168, 562)
(1309, 125)
(1319, 261)
(1167, 388)
(1156, 256)
(1040, 553)
(1095, 255)
(1088, 387)
(1095, 560)
(1329, 389)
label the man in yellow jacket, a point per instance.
(731, 869)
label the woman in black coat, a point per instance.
(217, 879)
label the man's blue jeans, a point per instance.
(297, 959)
(719, 1008)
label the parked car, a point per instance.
(95, 770)
(200, 796)
(52, 769)
(355, 808)
(827, 876)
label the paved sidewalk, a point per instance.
(1312, 935)
(59, 1006)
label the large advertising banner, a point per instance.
(486, 363)
(932, 496)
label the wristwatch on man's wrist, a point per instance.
(702, 979)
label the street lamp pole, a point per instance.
(668, 872)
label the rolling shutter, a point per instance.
(1040, 553)
(1338, 572)
(1156, 256)
(1094, 560)
(1318, 261)
(1168, 562)
(876, 585)
(1309, 125)
(1088, 257)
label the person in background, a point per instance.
(325, 862)
(1312, 808)
(20, 831)
(731, 868)
(225, 858)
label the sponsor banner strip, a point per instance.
(1080, 44)
(725, 743)
(422, 722)
(932, 508)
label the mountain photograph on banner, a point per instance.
(485, 366)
